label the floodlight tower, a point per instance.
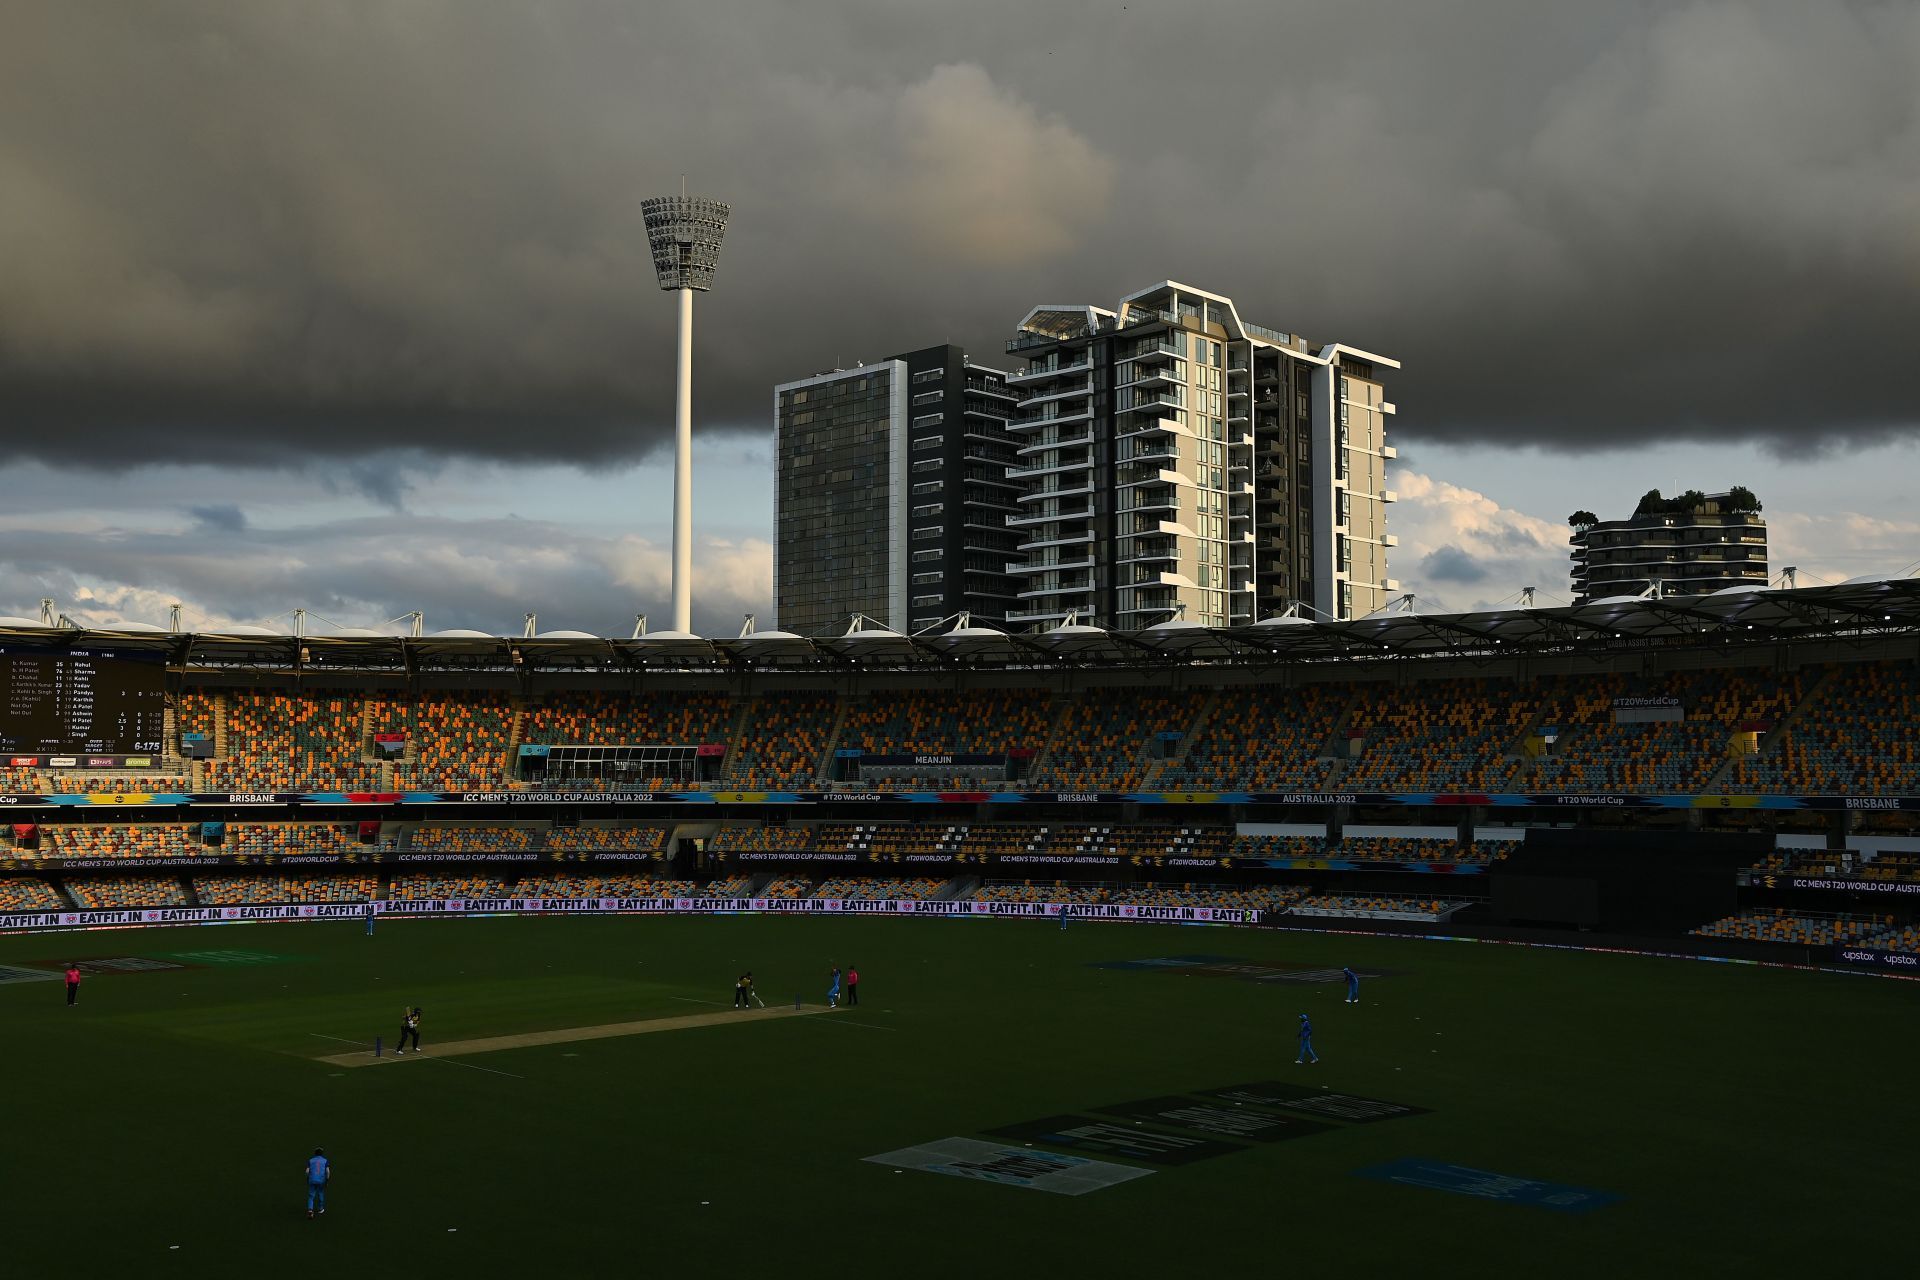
(685, 232)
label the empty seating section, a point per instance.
(884, 840)
(1905, 937)
(139, 840)
(1449, 735)
(1779, 925)
(1362, 849)
(287, 742)
(1902, 868)
(1261, 740)
(791, 888)
(281, 838)
(571, 886)
(629, 720)
(781, 742)
(104, 894)
(1852, 737)
(472, 836)
(1460, 735)
(619, 837)
(195, 713)
(425, 888)
(763, 839)
(232, 891)
(1028, 891)
(1171, 840)
(865, 890)
(1596, 754)
(1245, 898)
(18, 893)
(1103, 739)
(1381, 904)
(454, 743)
(984, 722)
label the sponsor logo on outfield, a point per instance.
(1217, 1120)
(1104, 1137)
(1023, 1167)
(1459, 1180)
(1319, 1103)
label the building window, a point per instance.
(926, 579)
(928, 509)
(925, 531)
(921, 557)
(927, 464)
(934, 375)
(1346, 599)
(928, 442)
(926, 420)
(927, 397)
(926, 486)
(1345, 545)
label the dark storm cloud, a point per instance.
(1452, 564)
(274, 233)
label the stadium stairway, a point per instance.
(1771, 741)
(1057, 710)
(958, 888)
(736, 733)
(1338, 746)
(220, 725)
(1189, 734)
(823, 767)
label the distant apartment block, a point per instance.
(891, 494)
(1175, 460)
(1694, 544)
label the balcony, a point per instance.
(1081, 437)
(1064, 540)
(1055, 416)
(1083, 387)
(1050, 468)
(1045, 517)
(1154, 403)
(1082, 365)
(1054, 561)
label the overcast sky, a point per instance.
(348, 305)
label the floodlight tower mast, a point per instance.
(685, 233)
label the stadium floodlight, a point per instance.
(685, 233)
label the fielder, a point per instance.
(1306, 1053)
(319, 1173)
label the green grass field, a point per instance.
(1752, 1121)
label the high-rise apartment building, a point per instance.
(1692, 545)
(1177, 460)
(891, 494)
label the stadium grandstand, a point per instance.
(1320, 770)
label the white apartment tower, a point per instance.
(1177, 461)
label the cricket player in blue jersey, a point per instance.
(369, 919)
(1066, 909)
(1353, 986)
(833, 992)
(319, 1171)
(1306, 1053)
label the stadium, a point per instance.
(555, 844)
